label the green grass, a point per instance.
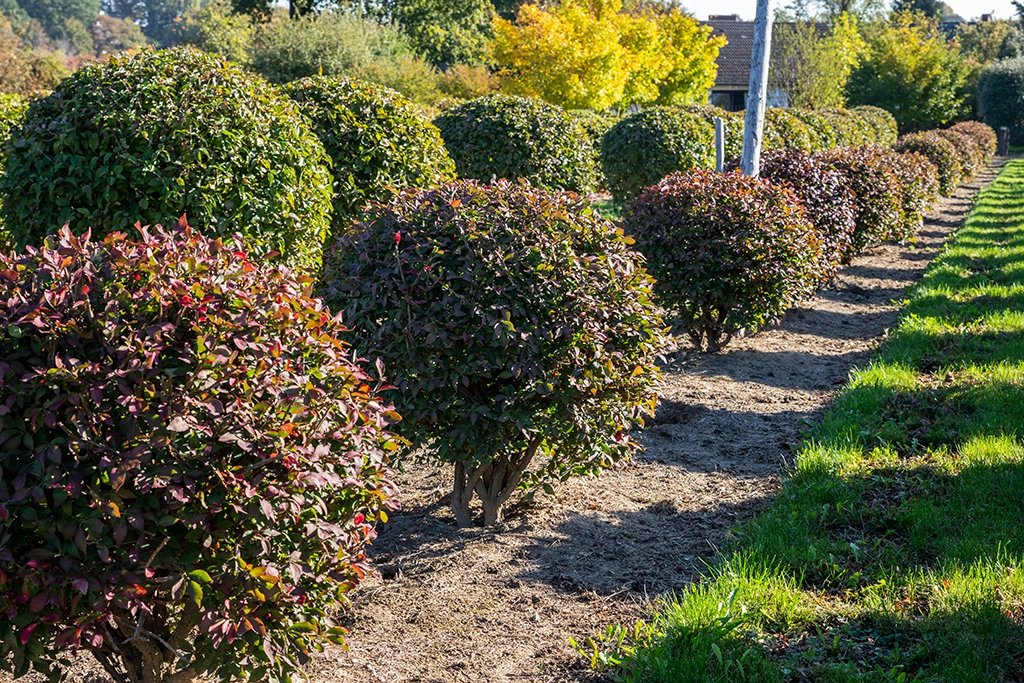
(1016, 149)
(895, 551)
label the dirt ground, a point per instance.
(498, 605)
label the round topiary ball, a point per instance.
(819, 127)
(782, 130)
(919, 179)
(940, 152)
(868, 171)
(727, 251)
(971, 157)
(516, 325)
(501, 136)
(185, 436)
(825, 192)
(149, 137)
(982, 135)
(643, 148)
(377, 139)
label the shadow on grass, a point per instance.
(894, 551)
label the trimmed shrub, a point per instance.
(377, 140)
(831, 204)
(518, 328)
(149, 137)
(782, 130)
(734, 125)
(596, 125)
(192, 462)
(882, 123)
(1001, 93)
(919, 180)
(877, 189)
(643, 148)
(500, 136)
(819, 128)
(727, 252)
(984, 137)
(850, 130)
(968, 153)
(940, 152)
(12, 113)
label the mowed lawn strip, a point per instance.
(895, 551)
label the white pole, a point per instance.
(757, 94)
(719, 144)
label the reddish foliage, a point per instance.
(190, 457)
(727, 251)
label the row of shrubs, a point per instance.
(640, 149)
(730, 253)
(189, 434)
(511, 137)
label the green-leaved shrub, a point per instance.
(1001, 93)
(643, 148)
(879, 195)
(850, 129)
(377, 140)
(819, 127)
(782, 130)
(12, 113)
(501, 136)
(516, 324)
(883, 124)
(192, 461)
(728, 252)
(940, 152)
(150, 137)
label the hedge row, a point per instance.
(641, 149)
(958, 152)
(731, 253)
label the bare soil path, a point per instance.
(496, 606)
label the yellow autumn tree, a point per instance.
(592, 55)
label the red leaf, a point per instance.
(26, 634)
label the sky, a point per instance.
(969, 9)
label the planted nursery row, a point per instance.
(194, 449)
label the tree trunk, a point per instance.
(493, 483)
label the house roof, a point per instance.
(734, 59)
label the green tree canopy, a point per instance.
(913, 72)
(444, 32)
(813, 66)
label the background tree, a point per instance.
(911, 71)
(594, 56)
(983, 42)
(813, 66)
(933, 9)
(65, 21)
(444, 32)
